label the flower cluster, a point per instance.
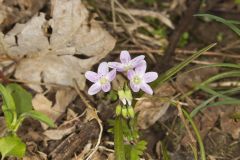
(135, 69)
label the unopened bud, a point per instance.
(121, 96)
(118, 110)
(124, 112)
(131, 111)
(128, 95)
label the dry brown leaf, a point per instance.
(187, 81)
(57, 134)
(12, 11)
(151, 109)
(44, 105)
(60, 49)
(228, 125)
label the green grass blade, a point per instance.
(171, 72)
(196, 131)
(230, 23)
(201, 106)
(228, 74)
(208, 103)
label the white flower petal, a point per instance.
(130, 74)
(137, 60)
(134, 87)
(106, 87)
(150, 76)
(94, 89)
(125, 57)
(92, 76)
(146, 88)
(103, 69)
(118, 66)
(111, 75)
(141, 69)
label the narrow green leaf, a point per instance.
(196, 131)
(12, 146)
(39, 116)
(118, 139)
(167, 75)
(164, 152)
(214, 93)
(202, 106)
(208, 103)
(8, 106)
(22, 98)
(230, 23)
(228, 74)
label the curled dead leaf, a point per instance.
(63, 98)
(151, 109)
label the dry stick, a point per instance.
(185, 124)
(174, 38)
(135, 40)
(113, 13)
(148, 13)
(85, 101)
(76, 141)
(125, 11)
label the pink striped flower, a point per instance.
(139, 79)
(101, 79)
(127, 63)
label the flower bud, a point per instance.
(118, 110)
(128, 95)
(131, 111)
(121, 95)
(124, 112)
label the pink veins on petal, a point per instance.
(126, 62)
(139, 79)
(101, 79)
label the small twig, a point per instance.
(125, 11)
(183, 26)
(226, 84)
(113, 14)
(85, 101)
(185, 124)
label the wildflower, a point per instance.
(101, 79)
(127, 63)
(139, 79)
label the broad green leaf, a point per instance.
(136, 150)
(171, 72)
(22, 98)
(39, 116)
(118, 139)
(230, 23)
(8, 107)
(12, 146)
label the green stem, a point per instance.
(118, 139)
(199, 139)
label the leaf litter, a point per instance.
(60, 49)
